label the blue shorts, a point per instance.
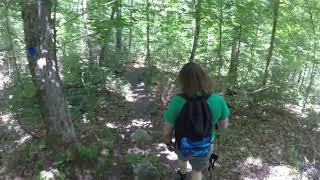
(197, 163)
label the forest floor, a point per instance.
(262, 142)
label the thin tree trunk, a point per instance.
(252, 49)
(234, 62)
(148, 33)
(84, 33)
(131, 26)
(314, 66)
(220, 38)
(119, 29)
(273, 34)
(14, 58)
(38, 27)
(303, 76)
(197, 30)
(300, 76)
(106, 42)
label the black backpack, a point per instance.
(193, 128)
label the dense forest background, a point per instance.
(83, 84)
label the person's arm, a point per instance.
(167, 133)
(223, 124)
(223, 121)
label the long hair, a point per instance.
(193, 79)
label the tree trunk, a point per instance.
(148, 33)
(303, 76)
(197, 30)
(234, 62)
(105, 46)
(14, 59)
(38, 28)
(131, 26)
(220, 38)
(271, 47)
(252, 49)
(314, 62)
(119, 29)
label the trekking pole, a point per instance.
(214, 157)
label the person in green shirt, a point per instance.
(194, 81)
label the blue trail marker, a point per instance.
(32, 51)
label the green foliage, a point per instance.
(294, 158)
(157, 162)
(90, 153)
(132, 158)
(31, 150)
(313, 119)
(61, 157)
(108, 141)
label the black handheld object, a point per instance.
(170, 146)
(212, 160)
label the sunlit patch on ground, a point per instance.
(296, 109)
(282, 172)
(139, 64)
(111, 125)
(23, 139)
(254, 168)
(318, 127)
(137, 150)
(140, 123)
(4, 79)
(85, 119)
(170, 155)
(252, 161)
(5, 118)
(130, 96)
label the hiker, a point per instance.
(192, 116)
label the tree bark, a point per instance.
(131, 26)
(303, 76)
(234, 62)
(119, 29)
(197, 30)
(314, 61)
(38, 29)
(14, 59)
(252, 49)
(148, 33)
(106, 44)
(220, 38)
(271, 47)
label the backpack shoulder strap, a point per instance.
(184, 96)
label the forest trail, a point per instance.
(237, 160)
(141, 99)
(249, 150)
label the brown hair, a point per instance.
(193, 78)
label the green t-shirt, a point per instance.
(217, 104)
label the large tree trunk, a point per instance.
(197, 30)
(148, 33)
(234, 62)
(273, 34)
(38, 29)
